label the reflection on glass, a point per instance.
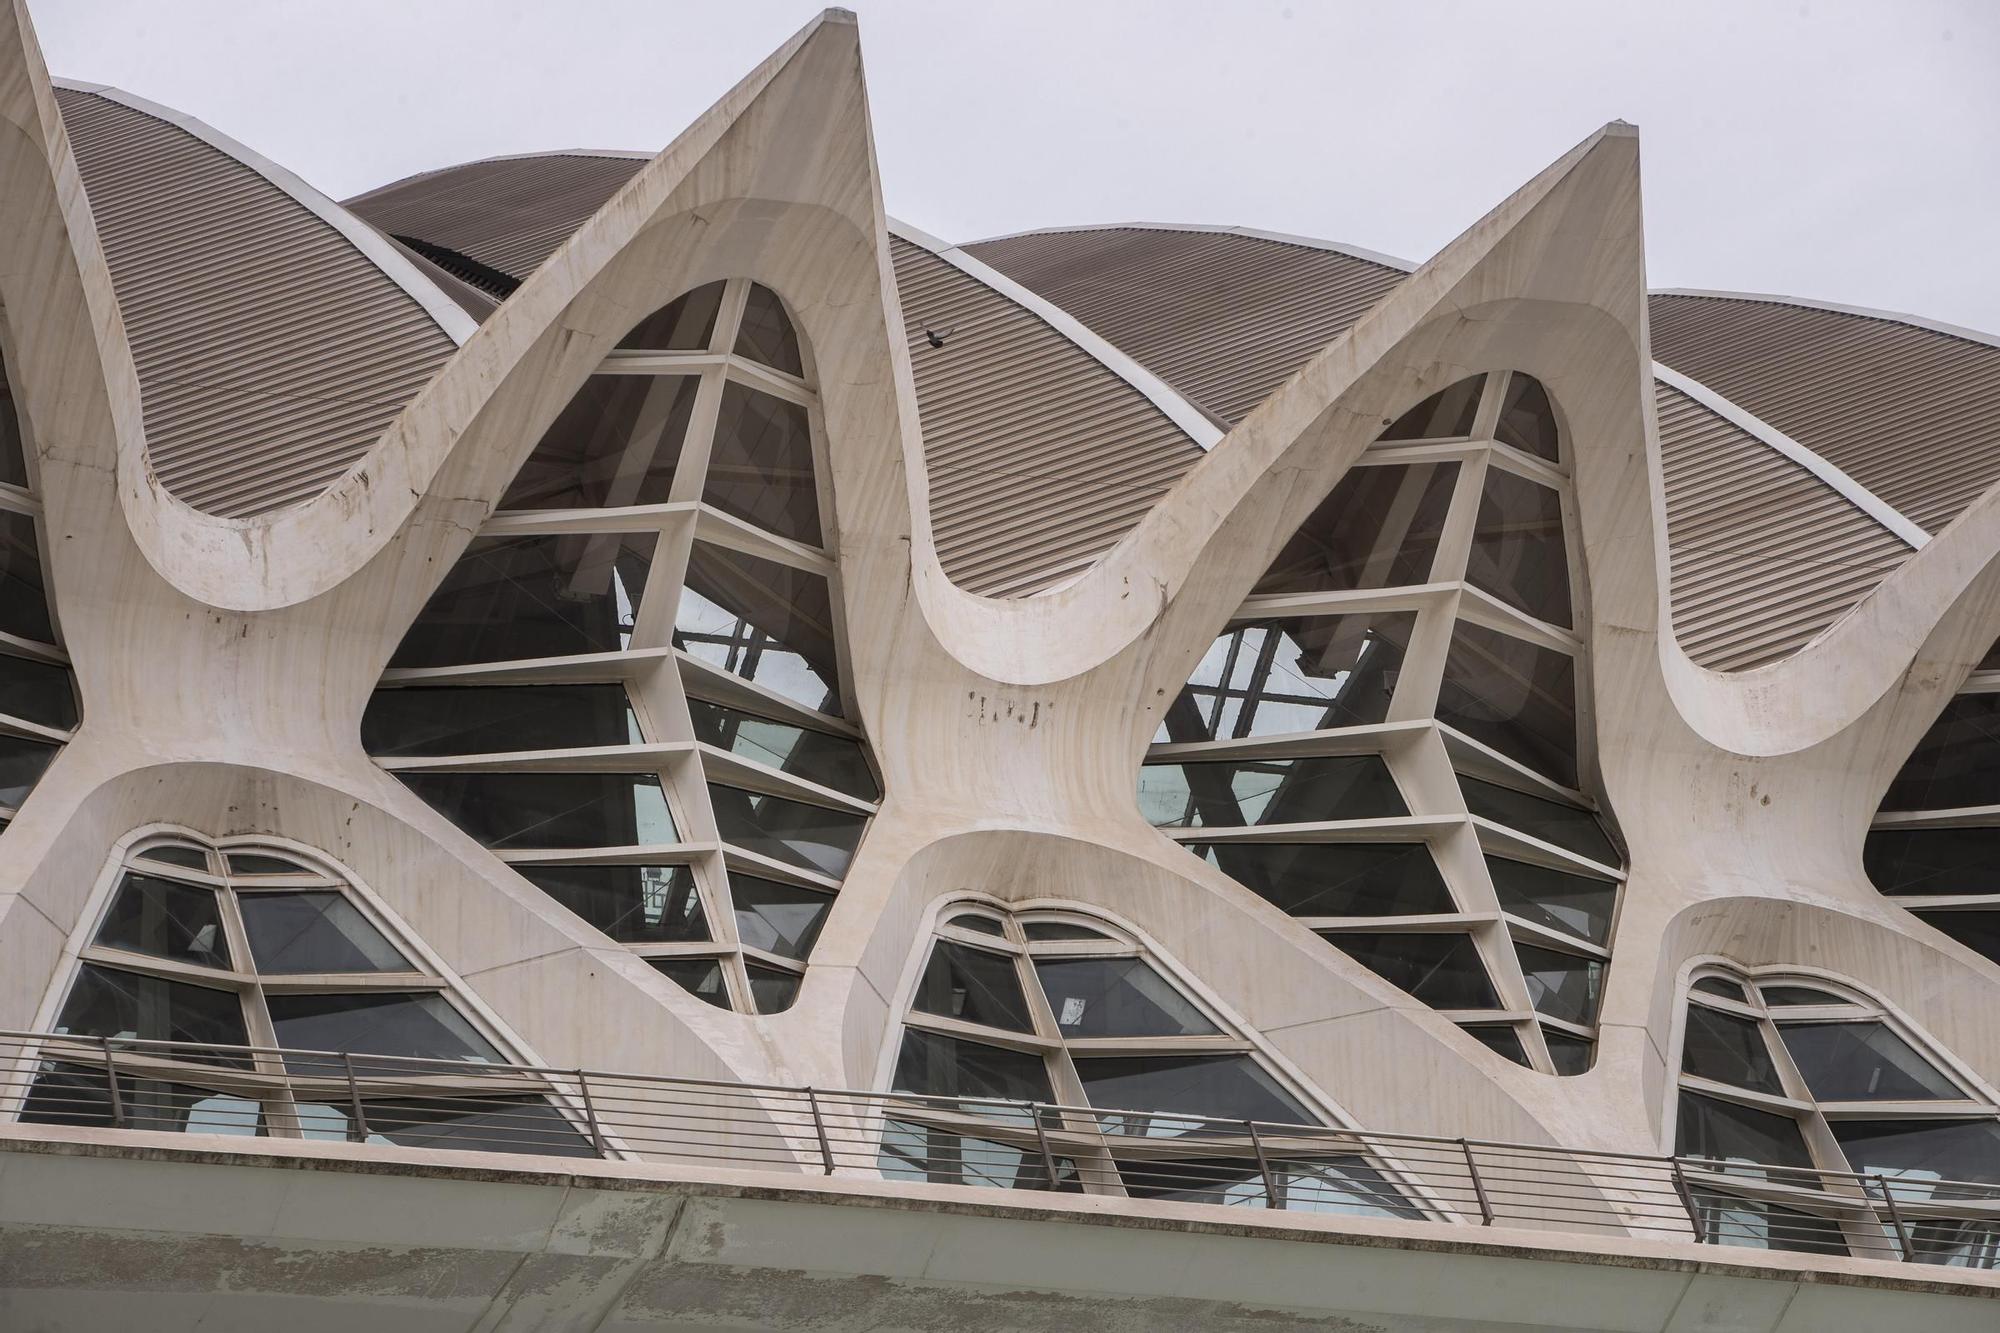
(1377, 529)
(1446, 414)
(1060, 930)
(933, 1065)
(1922, 1153)
(1335, 878)
(167, 920)
(1956, 1243)
(684, 324)
(13, 456)
(767, 334)
(1277, 677)
(1232, 794)
(778, 918)
(488, 719)
(978, 921)
(406, 1023)
(64, 1094)
(1518, 551)
(1514, 696)
(809, 836)
(1347, 1186)
(772, 989)
(24, 607)
(1754, 1225)
(524, 597)
(188, 858)
(919, 1152)
(1570, 1055)
(700, 977)
(760, 466)
(107, 1002)
(485, 1124)
(1574, 904)
(551, 810)
(1117, 997)
(1979, 931)
(1958, 761)
(1726, 1132)
(972, 986)
(1721, 986)
(1856, 1062)
(632, 904)
(316, 930)
(1499, 1038)
(1223, 1087)
(1552, 822)
(1561, 985)
(1728, 1049)
(1790, 996)
(263, 863)
(763, 621)
(617, 443)
(831, 761)
(37, 691)
(21, 764)
(1527, 418)
(1933, 860)
(1442, 970)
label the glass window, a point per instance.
(1552, 822)
(919, 1152)
(763, 621)
(1277, 677)
(1791, 996)
(1514, 696)
(37, 691)
(551, 810)
(1958, 761)
(1728, 1049)
(778, 918)
(510, 598)
(1979, 931)
(760, 466)
(188, 858)
(167, 920)
(985, 925)
(1337, 1185)
(1748, 1224)
(1117, 997)
(632, 904)
(700, 977)
(685, 324)
(489, 719)
(617, 443)
(1569, 1055)
(13, 451)
(767, 334)
(64, 1094)
(1335, 878)
(22, 762)
(831, 761)
(315, 930)
(1561, 985)
(1853, 1062)
(1933, 860)
(1239, 793)
(934, 1065)
(1223, 1087)
(1721, 986)
(772, 989)
(1499, 1038)
(24, 607)
(1060, 930)
(1923, 1152)
(1726, 1132)
(108, 1002)
(972, 986)
(809, 836)
(1443, 970)
(396, 1023)
(1378, 528)
(1518, 551)
(484, 1123)
(263, 863)
(1527, 418)
(1574, 904)
(1446, 414)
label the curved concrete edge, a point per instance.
(1867, 312)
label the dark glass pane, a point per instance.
(1514, 696)
(763, 621)
(1720, 986)
(617, 443)
(1933, 860)
(1575, 904)
(481, 1123)
(1789, 996)
(830, 761)
(631, 904)
(700, 977)
(1225, 1087)
(186, 857)
(1570, 1055)
(374, 1023)
(1268, 791)
(772, 990)
(258, 863)
(1335, 878)
(1527, 419)
(1560, 825)
(1979, 931)
(1854, 1062)
(1446, 414)
(808, 836)
(1923, 1152)
(13, 450)
(1990, 662)
(1060, 930)
(760, 467)
(1117, 997)
(985, 925)
(1958, 761)
(778, 918)
(973, 986)
(551, 810)
(38, 691)
(24, 607)
(1308, 674)
(947, 1067)
(1561, 985)
(919, 1152)
(1518, 551)
(1442, 970)
(1499, 1038)
(106, 1002)
(767, 334)
(167, 920)
(1377, 529)
(523, 597)
(1749, 1224)
(65, 1094)
(488, 719)
(1728, 1049)
(21, 764)
(682, 325)
(1956, 1244)
(314, 931)
(1340, 1185)
(1726, 1132)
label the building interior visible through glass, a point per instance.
(1419, 634)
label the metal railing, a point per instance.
(988, 1142)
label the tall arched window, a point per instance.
(1784, 1077)
(631, 685)
(1386, 743)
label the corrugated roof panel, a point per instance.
(271, 353)
(1766, 555)
(1040, 458)
(1223, 317)
(1911, 413)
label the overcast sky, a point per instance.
(1844, 151)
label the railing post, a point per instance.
(1478, 1185)
(1896, 1221)
(357, 1128)
(111, 1077)
(1041, 1141)
(590, 1114)
(1687, 1202)
(819, 1128)
(1263, 1165)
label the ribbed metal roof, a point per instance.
(1040, 457)
(1223, 316)
(271, 352)
(1766, 555)
(1911, 413)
